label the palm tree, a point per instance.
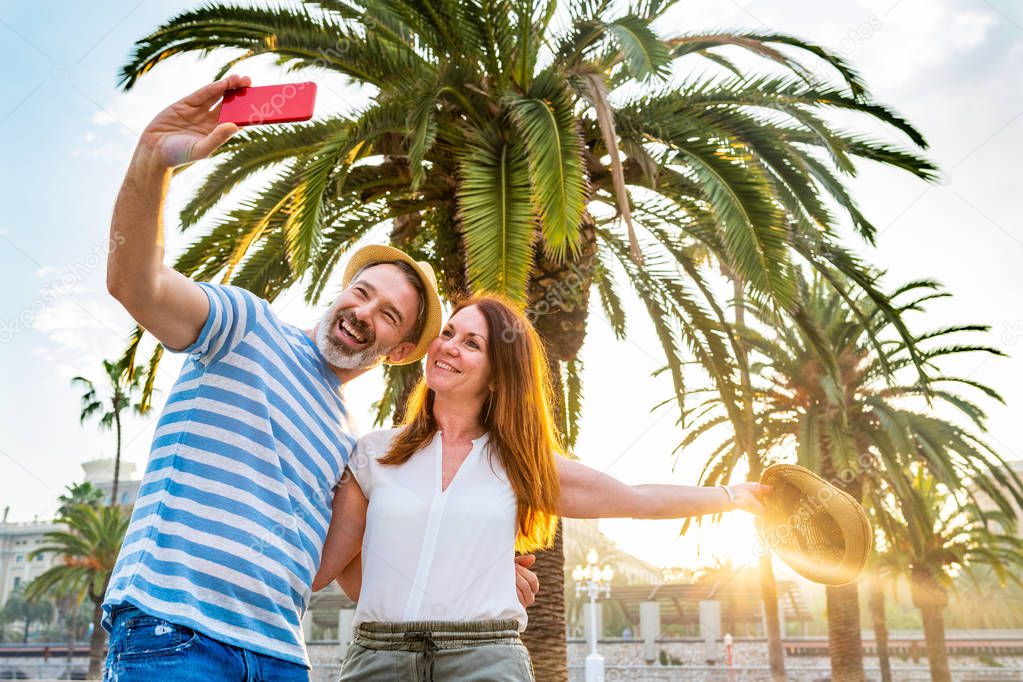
(876, 605)
(532, 148)
(834, 392)
(941, 534)
(87, 546)
(78, 493)
(19, 607)
(122, 385)
(884, 566)
(983, 603)
(744, 430)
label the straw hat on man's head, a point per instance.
(820, 531)
(377, 254)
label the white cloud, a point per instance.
(104, 149)
(971, 29)
(79, 331)
(919, 36)
(102, 118)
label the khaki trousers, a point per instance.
(437, 651)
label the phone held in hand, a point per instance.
(284, 103)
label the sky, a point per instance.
(952, 67)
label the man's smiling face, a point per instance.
(371, 319)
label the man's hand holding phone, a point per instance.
(166, 303)
(189, 129)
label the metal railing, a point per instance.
(793, 673)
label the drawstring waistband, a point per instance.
(429, 637)
(429, 652)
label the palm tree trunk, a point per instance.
(117, 452)
(769, 593)
(844, 639)
(768, 586)
(880, 627)
(545, 635)
(28, 623)
(559, 297)
(71, 635)
(453, 278)
(934, 635)
(932, 598)
(98, 641)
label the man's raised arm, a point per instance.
(166, 303)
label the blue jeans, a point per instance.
(144, 648)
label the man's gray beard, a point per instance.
(339, 356)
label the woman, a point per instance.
(439, 507)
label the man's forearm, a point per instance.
(166, 303)
(136, 229)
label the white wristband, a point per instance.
(731, 496)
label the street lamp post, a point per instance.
(728, 651)
(594, 581)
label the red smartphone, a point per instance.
(269, 104)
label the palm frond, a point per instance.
(646, 55)
(573, 401)
(592, 84)
(610, 301)
(256, 149)
(496, 216)
(295, 36)
(554, 153)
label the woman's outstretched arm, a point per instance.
(344, 536)
(590, 494)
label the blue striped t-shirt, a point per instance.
(234, 506)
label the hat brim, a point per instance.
(841, 507)
(374, 254)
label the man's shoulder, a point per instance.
(242, 306)
(235, 292)
(257, 308)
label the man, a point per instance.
(216, 567)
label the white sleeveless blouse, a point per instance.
(432, 555)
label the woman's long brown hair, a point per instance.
(517, 416)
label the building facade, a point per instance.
(19, 539)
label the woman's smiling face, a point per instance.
(457, 362)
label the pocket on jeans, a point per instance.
(147, 636)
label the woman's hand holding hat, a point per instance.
(818, 529)
(749, 497)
